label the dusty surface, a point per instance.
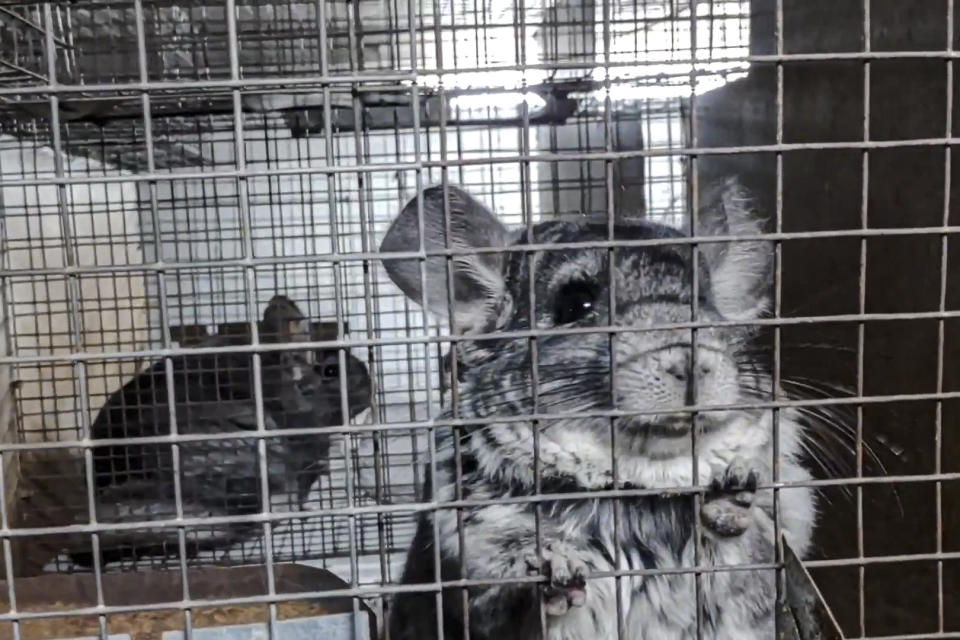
(150, 625)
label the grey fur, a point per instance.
(654, 373)
(215, 394)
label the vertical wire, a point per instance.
(372, 319)
(944, 248)
(454, 389)
(362, 151)
(451, 299)
(164, 312)
(415, 462)
(246, 231)
(527, 214)
(612, 320)
(6, 314)
(861, 326)
(780, 581)
(454, 362)
(424, 315)
(8, 572)
(338, 307)
(695, 312)
(72, 288)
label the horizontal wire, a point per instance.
(340, 258)
(486, 161)
(181, 438)
(414, 507)
(176, 88)
(363, 591)
(405, 75)
(909, 636)
(431, 587)
(480, 337)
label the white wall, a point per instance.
(110, 310)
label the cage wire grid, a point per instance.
(227, 199)
(193, 237)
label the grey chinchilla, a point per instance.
(218, 477)
(583, 539)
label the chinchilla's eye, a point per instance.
(574, 301)
(326, 370)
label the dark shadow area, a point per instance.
(823, 190)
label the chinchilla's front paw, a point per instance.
(567, 585)
(726, 506)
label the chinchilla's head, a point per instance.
(322, 386)
(282, 371)
(650, 283)
(309, 381)
(283, 321)
(309, 395)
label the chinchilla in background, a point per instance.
(655, 373)
(214, 393)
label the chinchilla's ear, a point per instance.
(478, 282)
(741, 272)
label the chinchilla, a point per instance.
(218, 477)
(575, 543)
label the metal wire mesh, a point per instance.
(167, 168)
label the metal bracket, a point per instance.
(802, 613)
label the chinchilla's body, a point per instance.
(213, 394)
(657, 372)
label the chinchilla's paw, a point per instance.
(567, 586)
(726, 506)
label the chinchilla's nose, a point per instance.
(678, 362)
(678, 366)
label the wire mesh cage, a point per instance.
(195, 197)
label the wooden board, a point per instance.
(189, 334)
(63, 592)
